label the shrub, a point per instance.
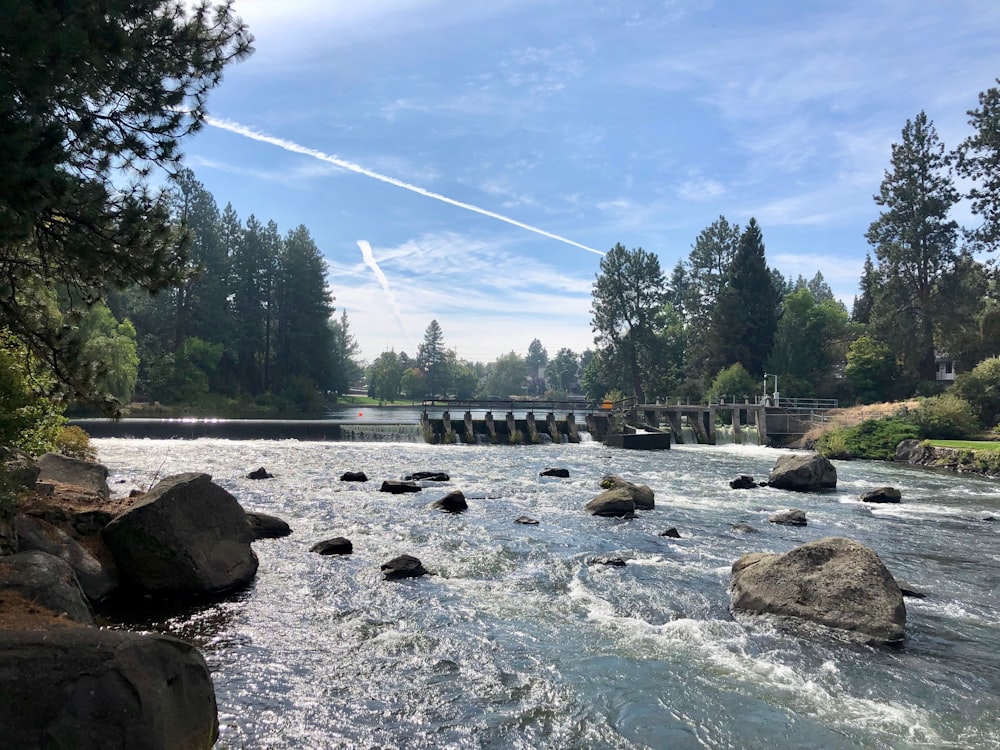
(874, 439)
(946, 417)
(981, 388)
(74, 442)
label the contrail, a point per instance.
(235, 127)
(369, 258)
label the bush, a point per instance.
(72, 441)
(946, 417)
(874, 439)
(981, 388)
(732, 383)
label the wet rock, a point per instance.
(186, 536)
(642, 495)
(833, 581)
(612, 503)
(790, 517)
(615, 562)
(743, 528)
(526, 521)
(553, 472)
(337, 546)
(260, 473)
(353, 476)
(671, 533)
(396, 487)
(882, 495)
(404, 566)
(453, 502)
(743, 482)
(81, 687)
(427, 476)
(803, 473)
(19, 467)
(87, 474)
(912, 451)
(265, 526)
(911, 592)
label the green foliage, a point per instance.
(111, 346)
(506, 376)
(809, 342)
(74, 442)
(29, 419)
(871, 369)
(981, 389)
(385, 377)
(733, 382)
(978, 161)
(874, 439)
(432, 360)
(947, 417)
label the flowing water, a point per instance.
(520, 639)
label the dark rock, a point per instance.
(615, 562)
(75, 471)
(96, 580)
(260, 473)
(47, 582)
(790, 517)
(671, 533)
(398, 488)
(803, 473)
(404, 566)
(912, 451)
(743, 528)
(882, 495)
(743, 482)
(19, 467)
(428, 476)
(186, 536)
(336, 546)
(353, 476)
(613, 503)
(526, 521)
(561, 473)
(265, 526)
(453, 502)
(641, 494)
(910, 592)
(135, 493)
(833, 581)
(80, 687)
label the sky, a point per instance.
(470, 162)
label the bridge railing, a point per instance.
(505, 405)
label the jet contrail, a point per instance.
(235, 127)
(369, 257)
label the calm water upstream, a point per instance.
(519, 641)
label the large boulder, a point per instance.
(912, 451)
(19, 467)
(882, 495)
(55, 467)
(803, 473)
(96, 579)
(185, 536)
(404, 566)
(833, 581)
(45, 581)
(641, 494)
(453, 502)
(91, 689)
(613, 503)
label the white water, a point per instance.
(520, 640)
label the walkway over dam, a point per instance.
(529, 422)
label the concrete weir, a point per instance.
(527, 428)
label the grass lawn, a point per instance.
(969, 445)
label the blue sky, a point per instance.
(380, 125)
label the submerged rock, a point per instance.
(428, 476)
(743, 528)
(453, 502)
(833, 581)
(803, 473)
(671, 533)
(790, 517)
(526, 521)
(614, 562)
(396, 487)
(882, 495)
(336, 546)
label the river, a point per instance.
(520, 640)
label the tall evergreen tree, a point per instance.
(535, 360)
(745, 316)
(431, 358)
(344, 364)
(978, 160)
(915, 243)
(627, 298)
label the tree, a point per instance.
(871, 370)
(745, 316)
(810, 340)
(733, 383)
(506, 376)
(914, 241)
(344, 367)
(113, 346)
(628, 294)
(92, 100)
(254, 264)
(385, 377)
(563, 370)
(431, 358)
(534, 363)
(977, 159)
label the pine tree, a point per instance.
(431, 359)
(978, 160)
